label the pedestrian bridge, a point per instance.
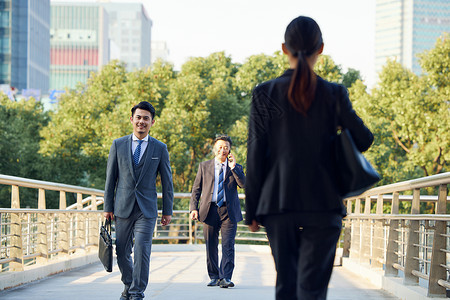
(52, 253)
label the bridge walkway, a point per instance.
(182, 275)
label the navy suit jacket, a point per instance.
(203, 188)
(122, 188)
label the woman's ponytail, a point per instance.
(303, 38)
(303, 85)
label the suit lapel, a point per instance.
(148, 158)
(129, 142)
(211, 171)
(227, 173)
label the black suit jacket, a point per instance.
(289, 167)
(203, 189)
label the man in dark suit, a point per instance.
(216, 187)
(130, 197)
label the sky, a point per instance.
(243, 28)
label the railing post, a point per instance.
(190, 229)
(16, 251)
(438, 257)
(80, 220)
(42, 246)
(412, 251)
(356, 232)
(93, 202)
(62, 200)
(391, 256)
(94, 231)
(15, 200)
(366, 233)
(347, 231)
(79, 201)
(378, 239)
(41, 199)
(63, 231)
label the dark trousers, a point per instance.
(218, 220)
(304, 256)
(134, 272)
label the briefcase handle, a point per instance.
(107, 225)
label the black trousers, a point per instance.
(304, 256)
(218, 220)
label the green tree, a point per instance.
(410, 117)
(257, 69)
(327, 69)
(90, 117)
(201, 103)
(350, 77)
(20, 122)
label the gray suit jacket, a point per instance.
(203, 189)
(122, 189)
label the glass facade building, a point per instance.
(79, 43)
(25, 44)
(130, 30)
(405, 28)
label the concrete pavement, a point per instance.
(179, 272)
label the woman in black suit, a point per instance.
(290, 188)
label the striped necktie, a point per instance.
(137, 153)
(220, 198)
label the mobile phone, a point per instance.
(230, 158)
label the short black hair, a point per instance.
(145, 106)
(223, 137)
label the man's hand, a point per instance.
(194, 215)
(165, 220)
(108, 215)
(231, 161)
(254, 227)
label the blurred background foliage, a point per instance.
(408, 114)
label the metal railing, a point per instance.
(412, 246)
(35, 236)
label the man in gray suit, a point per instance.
(130, 197)
(220, 210)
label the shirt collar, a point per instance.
(135, 138)
(219, 162)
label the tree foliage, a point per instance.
(20, 123)
(408, 114)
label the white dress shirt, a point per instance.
(217, 165)
(136, 143)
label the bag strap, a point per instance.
(338, 110)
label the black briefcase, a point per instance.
(105, 249)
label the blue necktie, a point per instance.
(137, 153)
(220, 188)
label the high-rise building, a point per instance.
(25, 44)
(159, 51)
(405, 28)
(79, 42)
(130, 29)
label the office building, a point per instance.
(130, 29)
(79, 42)
(405, 28)
(159, 51)
(25, 45)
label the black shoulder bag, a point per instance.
(354, 174)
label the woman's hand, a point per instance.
(254, 227)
